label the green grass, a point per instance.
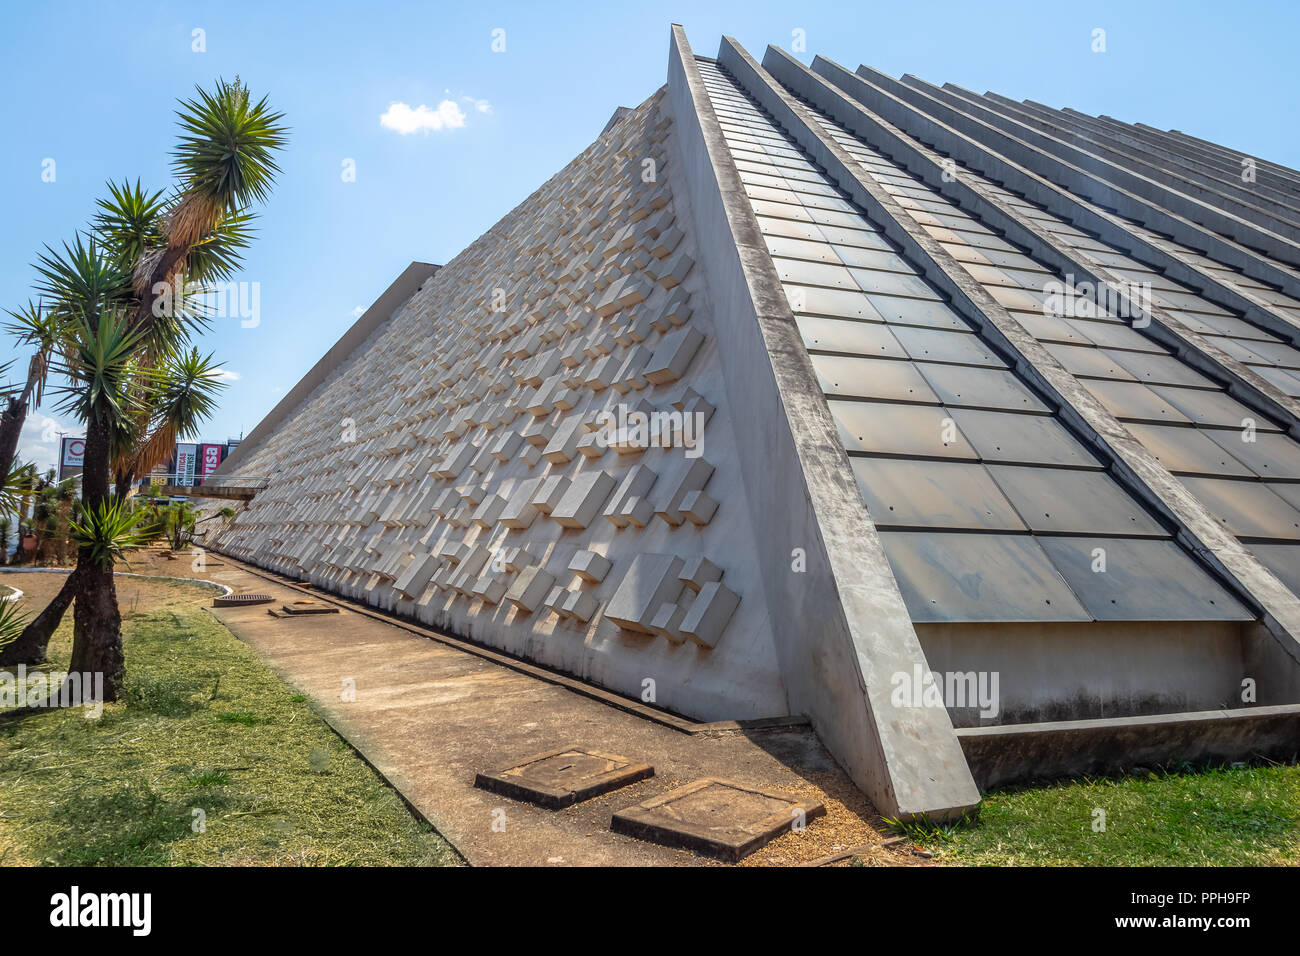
(208, 733)
(1221, 816)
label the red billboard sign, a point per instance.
(210, 457)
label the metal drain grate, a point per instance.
(240, 600)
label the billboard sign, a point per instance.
(72, 457)
(210, 457)
(186, 463)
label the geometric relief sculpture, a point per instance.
(755, 403)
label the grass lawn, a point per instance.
(205, 726)
(1242, 816)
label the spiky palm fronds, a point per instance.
(43, 329)
(18, 486)
(109, 530)
(224, 159)
(102, 370)
(129, 222)
(13, 621)
(218, 255)
(82, 280)
(182, 395)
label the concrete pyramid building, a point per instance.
(965, 427)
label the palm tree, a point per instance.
(225, 161)
(39, 328)
(178, 400)
(125, 328)
(179, 520)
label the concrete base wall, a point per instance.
(1000, 756)
(1048, 672)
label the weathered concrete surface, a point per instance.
(968, 118)
(465, 448)
(1133, 465)
(972, 194)
(1001, 755)
(429, 717)
(843, 629)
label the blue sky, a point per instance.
(92, 86)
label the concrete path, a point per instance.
(429, 715)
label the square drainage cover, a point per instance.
(716, 817)
(562, 777)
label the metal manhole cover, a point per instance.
(240, 600)
(717, 818)
(559, 778)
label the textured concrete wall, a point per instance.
(456, 468)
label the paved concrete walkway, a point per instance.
(429, 715)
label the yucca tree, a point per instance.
(225, 163)
(40, 329)
(181, 396)
(125, 297)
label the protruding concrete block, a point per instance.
(468, 570)
(456, 461)
(635, 484)
(550, 493)
(667, 622)
(489, 511)
(416, 577)
(699, 508)
(675, 311)
(592, 446)
(580, 605)
(601, 375)
(630, 376)
(490, 587)
(673, 356)
(693, 476)
(589, 566)
(530, 589)
(663, 247)
(520, 512)
(650, 580)
(507, 446)
(555, 601)
(699, 571)
(563, 445)
(539, 432)
(582, 502)
(674, 270)
(517, 559)
(541, 402)
(710, 614)
(638, 511)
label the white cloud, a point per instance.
(405, 119)
(482, 106)
(226, 375)
(356, 313)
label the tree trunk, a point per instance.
(32, 643)
(164, 270)
(11, 428)
(97, 625)
(122, 485)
